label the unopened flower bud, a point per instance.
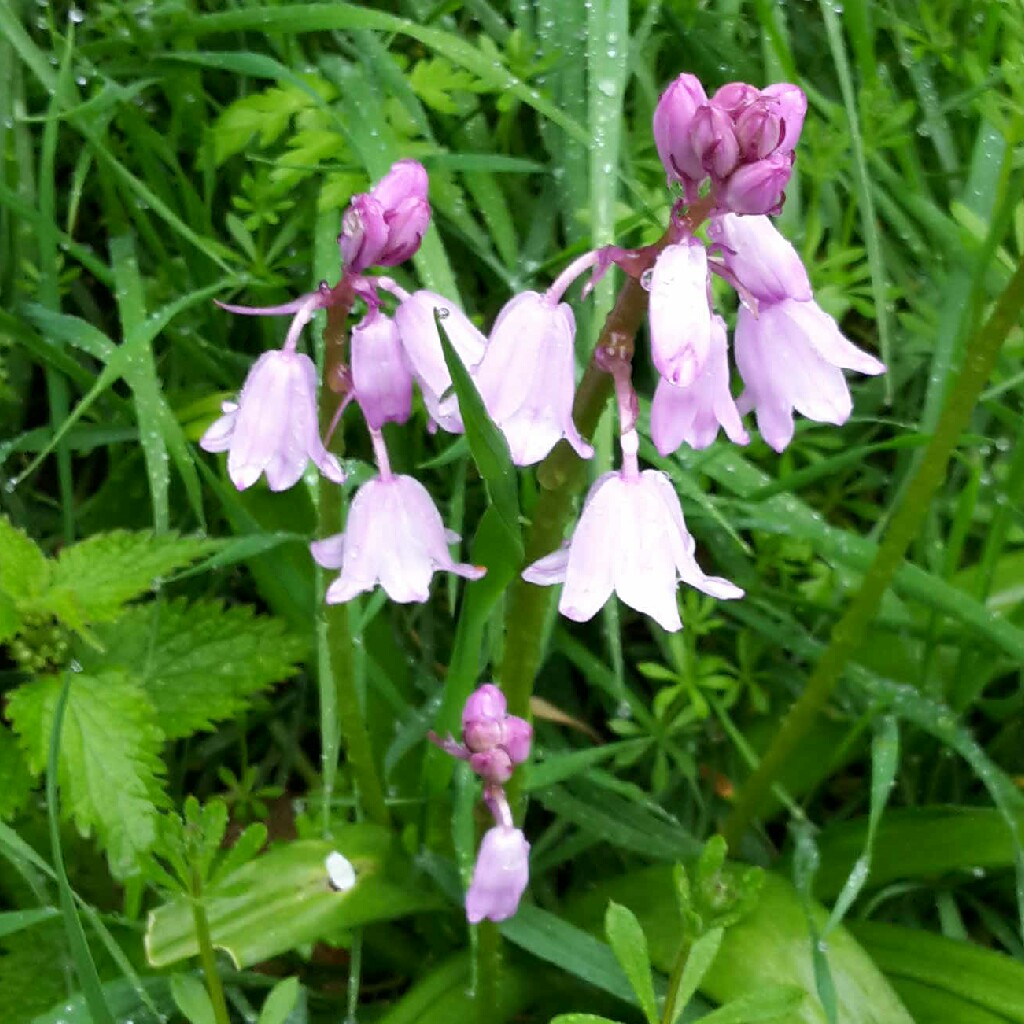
(517, 739)
(673, 118)
(735, 97)
(759, 130)
(757, 187)
(792, 108)
(407, 225)
(714, 141)
(493, 766)
(364, 233)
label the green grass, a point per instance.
(158, 156)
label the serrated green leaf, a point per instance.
(629, 945)
(23, 566)
(15, 777)
(91, 581)
(109, 769)
(199, 663)
(280, 1003)
(192, 999)
(10, 620)
(284, 899)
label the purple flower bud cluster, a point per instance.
(733, 155)
(742, 140)
(493, 743)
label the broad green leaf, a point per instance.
(15, 778)
(125, 1002)
(110, 768)
(988, 980)
(10, 619)
(92, 580)
(283, 899)
(199, 663)
(444, 995)
(33, 977)
(280, 1002)
(626, 938)
(23, 566)
(916, 842)
(192, 999)
(768, 947)
(770, 1003)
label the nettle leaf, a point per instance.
(91, 581)
(24, 569)
(109, 768)
(15, 778)
(197, 663)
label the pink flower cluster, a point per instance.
(733, 155)
(494, 742)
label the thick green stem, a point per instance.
(207, 957)
(562, 477)
(340, 707)
(903, 528)
(488, 971)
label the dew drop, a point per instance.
(443, 312)
(645, 280)
(75, 16)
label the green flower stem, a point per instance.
(562, 476)
(905, 525)
(340, 707)
(674, 979)
(487, 957)
(206, 955)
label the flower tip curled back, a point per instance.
(500, 876)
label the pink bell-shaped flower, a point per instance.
(500, 876)
(394, 536)
(761, 259)
(273, 428)
(791, 355)
(631, 540)
(527, 377)
(693, 414)
(382, 382)
(422, 344)
(680, 312)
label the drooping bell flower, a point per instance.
(527, 377)
(273, 427)
(631, 540)
(680, 312)
(693, 414)
(418, 329)
(395, 537)
(500, 876)
(380, 376)
(760, 258)
(791, 355)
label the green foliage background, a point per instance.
(157, 155)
